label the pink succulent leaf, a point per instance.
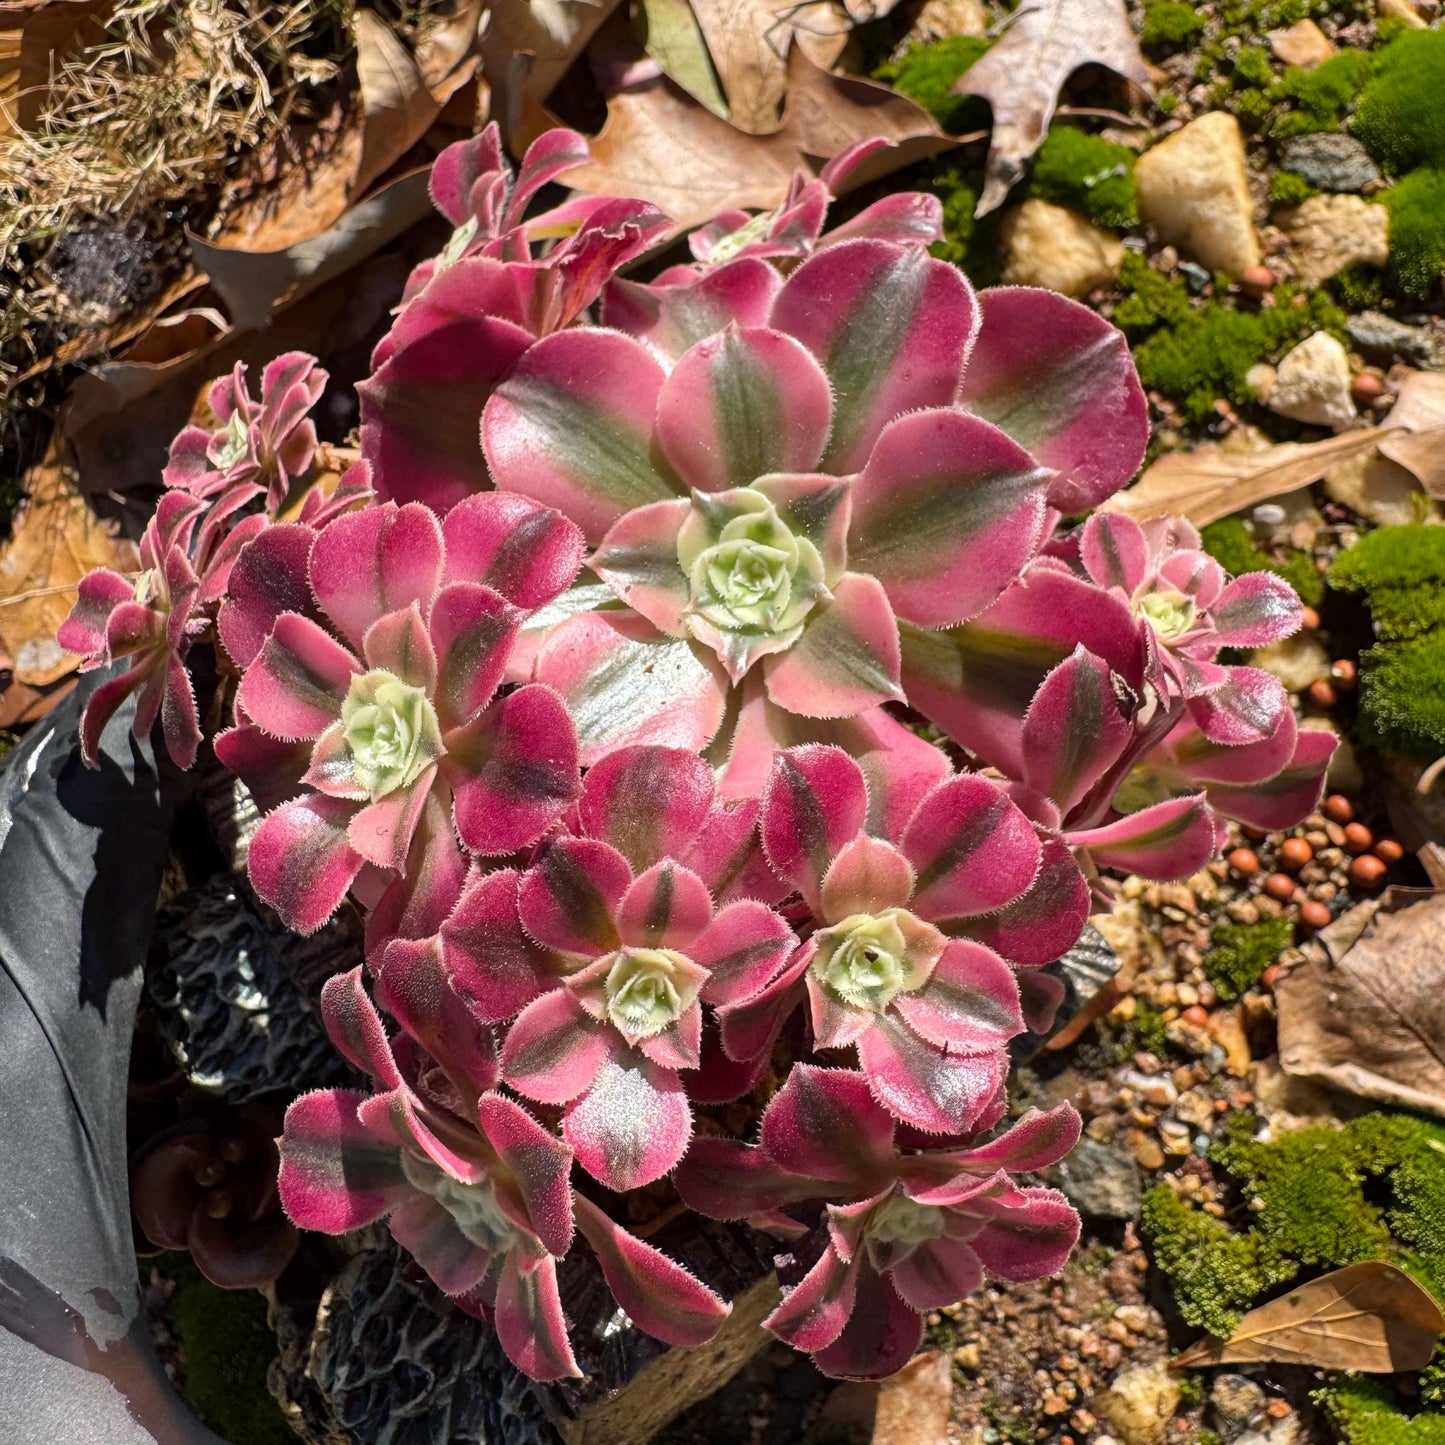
(539, 1166)
(972, 849)
(670, 319)
(425, 1132)
(399, 644)
(925, 1085)
(490, 960)
(379, 560)
(881, 1335)
(741, 949)
(270, 577)
(473, 286)
(530, 554)
(1040, 995)
(459, 167)
(1029, 1240)
(554, 1050)
(725, 1179)
(272, 770)
(727, 855)
(180, 724)
(553, 153)
(970, 1003)
(382, 832)
(1044, 369)
(638, 560)
(1199, 759)
(1255, 609)
(625, 684)
(1079, 724)
(571, 427)
(813, 1313)
(1167, 840)
(940, 1272)
(413, 986)
(297, 683)
(751, 1026)
(335, 1175)
(355, 1027)
(1287, 798)
(99, 594)
(891, 327)
(632, 1125)
(568, 898)
(420, 409)
(472, 630)
(847, 658)
(512, 770)
(665, 907)
(301, 861)
(573, 275)
(430, 1235)
(826, 1125)
(649, 803)
(1034, 1141)
(1246, 709)
(416, 904)
(101, 706)
(1114, 551)
(1043, 923)
(531, 1327)
(946, 512)
(816, 801)
(659, 1295)
(220, 559)
(910, 217)
(742, 404)
(867, 876)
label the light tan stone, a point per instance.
(1378, 489)
(1194, 191)
(1296, 661)
(941, 18)
(1049, 246)
(1313, 384)
(1401, 10)
(1328, 233)
(1305, 45)
(1140, 1404)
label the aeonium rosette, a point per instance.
(372, 650)
(469, 1183)
(629, 937)
(906, 960)
(907, 1230)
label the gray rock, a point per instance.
(1100, 1182)
(1236, 1402)
(1382, 338)
(1331, 160)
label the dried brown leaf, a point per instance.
(661, 145)
(912, 1407)
(34, 36)
(1369, 1316)
(56, 541)
(1021, 76)
(396, 105)
(1416, 430)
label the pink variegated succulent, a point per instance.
(473, 1187)
(372, 649)
(908, 1231)
(902, 963)
(629, 946)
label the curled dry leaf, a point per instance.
(1416, 428)
(1021, 76)
(1365, 1012)
(1370, 1317)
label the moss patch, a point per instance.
(1318, 99)
(1087, 174)
(1239, 953)
(928, 74)
(1400, 573)
(1417, 231)
(1288, 189)
(1366, 1411)
(1400, 118)
(226, 1347)
(1169, 24)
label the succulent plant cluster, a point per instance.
(680, 652)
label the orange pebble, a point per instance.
(1367, 870)
(1338, 808)
(1388, 851)
(1323, 694)
(1195, 1015)
(1342, 673)
(1280, 886)
(1244, 861)
(1309, 618)
(1294, 853)
(1358, 838)
(1314, 914)
(1270, 976)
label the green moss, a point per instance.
(1216, 1274)
(1231, 543)
(1167, 103)
(1400, 117)
(1359, 288)
(1400, 573)
(1289, 189)
(1239, 953)
(1316, 100)
(226, 1347)
(1169, 24)
(1365, 1411)
(1151, 299)
(1417, 231)
(1087, 174)
(928, 74)
(1253, 66)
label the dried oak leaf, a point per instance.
(660, 145)
(1369, 1316)
(1365, 1012)
(1415, 429)
(1022, 75)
